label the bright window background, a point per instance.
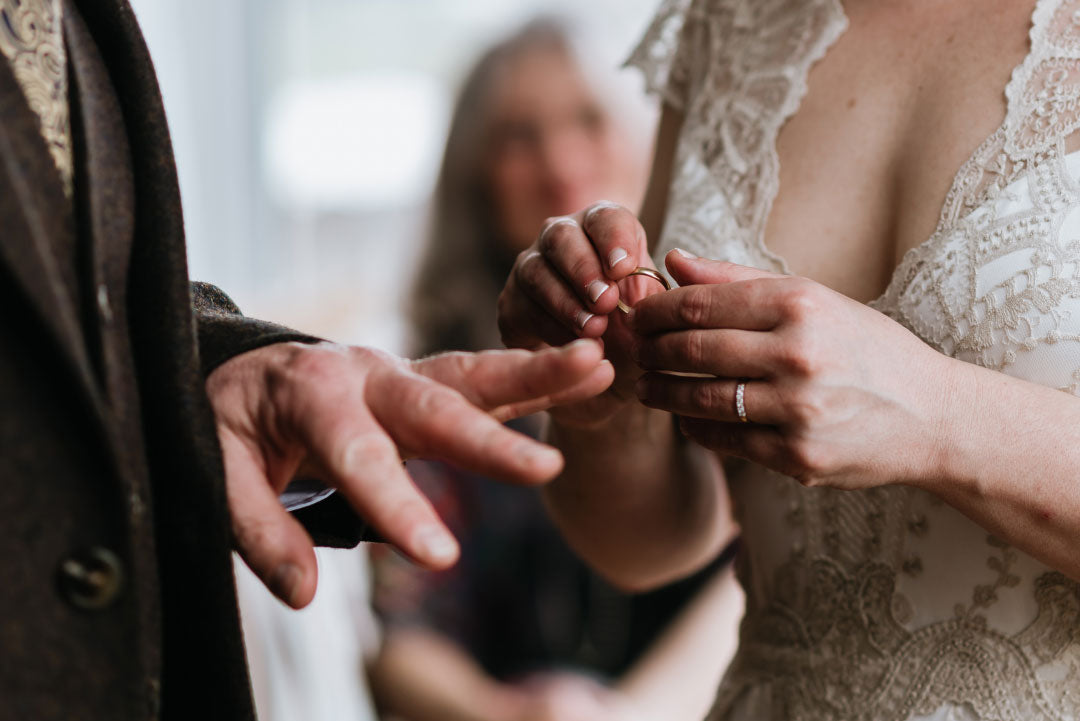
(308, 135)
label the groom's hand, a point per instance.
(349, 415)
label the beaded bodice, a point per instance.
(887, 603)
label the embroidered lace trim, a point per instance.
(940, 290)
(738, 72)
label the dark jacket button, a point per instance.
(91, 579)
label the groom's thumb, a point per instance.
(689, 269)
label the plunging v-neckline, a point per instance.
(913, 254)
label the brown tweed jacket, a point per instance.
(116, 589)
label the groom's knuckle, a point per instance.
(528, 383)
(424, 400)
(316, 365)
(461, 365)
(306, 377)
(359, 452)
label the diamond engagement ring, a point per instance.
(740, 401)
(648, 273)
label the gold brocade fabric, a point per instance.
(31, 38)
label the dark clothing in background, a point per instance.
(520, 601)
(117, 600)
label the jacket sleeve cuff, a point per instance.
(224, 332)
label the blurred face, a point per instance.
(551, 147)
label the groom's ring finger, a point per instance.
(710, 398)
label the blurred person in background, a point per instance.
(521, 629)
(534, 133)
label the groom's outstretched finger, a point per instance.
(272, 543)
(491, 379)
(596, 383)
(356, 454)
(433, 421)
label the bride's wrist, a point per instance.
(603, 414)
(629, 423)
(951, 459)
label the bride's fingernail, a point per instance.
(582, 318)
(596, 289)
(685, 254)
(616, 256)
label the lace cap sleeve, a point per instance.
(664, 53)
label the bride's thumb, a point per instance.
(688, 269)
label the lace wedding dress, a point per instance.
(888, 604)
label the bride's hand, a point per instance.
(567, 286)
(836, 393)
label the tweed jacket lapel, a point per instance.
(157, 248)
(104, 183)
(33, 213)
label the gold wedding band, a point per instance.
(648, 273)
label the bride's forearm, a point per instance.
(1011, 462)
(637, 501)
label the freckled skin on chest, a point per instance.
(892, 111)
